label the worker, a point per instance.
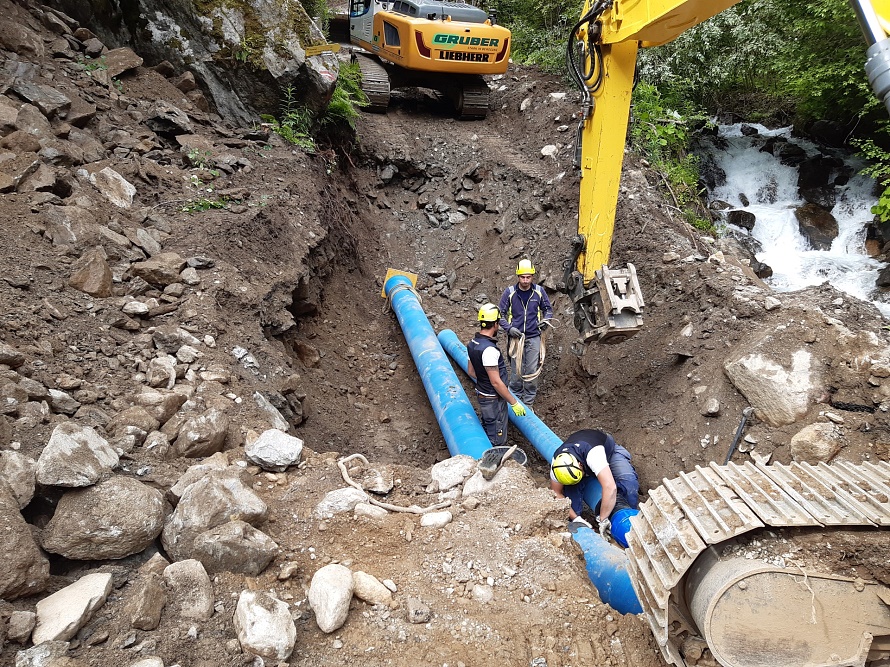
(594, 454)
(486, 366)
(525, 308)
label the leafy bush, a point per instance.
(540, 29)
(347, 98)
(295, 124)
(879, 170)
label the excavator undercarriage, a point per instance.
(760, 565)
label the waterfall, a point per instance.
(770, 188)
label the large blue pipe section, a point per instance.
(458, 421)
(606, 564)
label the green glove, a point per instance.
(518, 409)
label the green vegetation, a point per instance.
(204, 204)
(880, 171)
(299, 126)
(540, 29)
(93, 64)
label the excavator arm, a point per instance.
(602, 56)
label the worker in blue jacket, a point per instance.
(525, 308)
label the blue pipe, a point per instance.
(606, 564)
(458, 421)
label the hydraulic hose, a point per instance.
(606, 564)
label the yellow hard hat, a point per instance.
(525, 267)
(566, 469)
(489, 313)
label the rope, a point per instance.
(413, 509)
(516, 348)
(387, 307)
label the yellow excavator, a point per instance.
(446, 46)
(732, 564)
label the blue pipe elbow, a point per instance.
(458, 421)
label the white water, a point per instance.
(845, 266)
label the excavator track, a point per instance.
(472, 99)
(695, 582)
(375, 83)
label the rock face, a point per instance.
(329, 596)
(113, 519)
(23, 568)
(780, 395)
(63, 613)
(246, 54)
(264, 625)
(74, 456)
(275, 450)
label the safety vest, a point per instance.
(477, 345)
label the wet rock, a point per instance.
(113, 519)
(50, 101)
(210, 502)
(275, 450)
(146, 603)
(338, 501)
(20, 472)
(452, 471)
(743, 219)
(74, 456)
(778, 393)
(63, 613)
(202, 435)
(93, 275)
(21, 624)
(329, 595)
(368, 588)
(162, 269)
(114, 187)
(120, 61)
(264, 625)
(23, 568)
(816, 443)
(190, 590)
(817, 225)
(235, 546)
(9, 356)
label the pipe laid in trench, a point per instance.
(606, 564)
(458, 421)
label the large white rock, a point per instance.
(816, 443)
(369, 588)
(329, 596)
(190, 590)
(452, 471)
(74, 456)
(113, 519)
(436, 519)
(264, 625)
(275, 450)
(210, 502)
(780, 394)
(115, 188)
(339, 500)
(63, 613)
(20, 472)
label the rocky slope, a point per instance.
(192, 336)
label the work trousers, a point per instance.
(526, 390)
(494, 418)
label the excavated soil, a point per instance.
(298, 256)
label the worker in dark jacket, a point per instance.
(524, 309)
(594, 454)
(486, 366)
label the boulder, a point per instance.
(23, 568)
(779, 393)
(21, 624)
(452, 471)
(190, 590)
(816, 443)
(168, 120)
(212, 501)
(121, 60)
(50, 101)
(740, 218)
(198, 471)
(135, 416)
(162, 269)
(274, 450)
(113, 519)
(93, 275)
(62, 614)
(114, 187)
(20, 472)
(235, 546)
(146, 602)
(264, 625)
(817, 225)
(62, 403)
(74, 456)
(203, 434)
(329, 595)
(160, 404)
